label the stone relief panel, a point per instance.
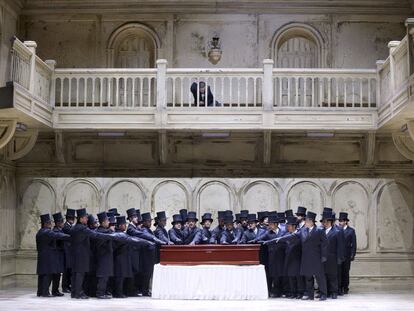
(82, 193)
(169, 196)
(38, 198)
(124, 195)
(306, 194)
(351, 197)
(7, 212)
(260, 196)
(214, 196)
(395, 218)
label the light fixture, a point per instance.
(404, 128)
(214, 50)
(21, 127)
(320, 134)
(111, 134)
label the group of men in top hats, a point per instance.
(114, 255)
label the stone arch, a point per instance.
(133, 38)
(217, 199)
(395, 211)
(173, 197)
(265, 202)
(313, 201)
(38, 198)
(352, 197)
(85, 195)
(298, 45)
(130, 194)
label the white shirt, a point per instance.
(345, 227)
(327, 230)
(302, 223)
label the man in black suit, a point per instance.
(46, 240)
(192, 234)
(350, 250)
(229, 235)
(253, 232)
(67, 275)
(206, 221)
(300, 214)
(80, 251)
(217, 231)
(335, 252)
(60, 255)
(160, 232)
(263, 220)
(203, 96)
(293, 256)
(175, 233)
(314, 254)
(104, 258)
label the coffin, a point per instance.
(210, 254)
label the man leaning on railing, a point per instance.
(200, 99)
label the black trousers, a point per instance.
(134, 285)
(310, 283)
(144, 279)
(89, 284)
(339, 277)
(66, 278)
(346, 266)
(43, 284)
(332, 283)
(77, 284)
(101, 285)
(119, 286)
(55, 282)
(297, 285)
(277, 285)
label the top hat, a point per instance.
(192, 215)
(273, 219)
(237, 217)
(273, 213)
(176, 218)
(228, 213)
(91, 220)
(112, 219)
(45, 218)
(70, 212)
(301, 211)
(120, 220)
(146, 216)
(244, 213)
(220, 215)
(262, 215)
(57, 217)
(81, 212)
(343, 216)
(206, 216)
(115, 211)
(228, 219)
(138, 215)
(292, 220)
(328, 215)
(251, 218)
(131, 212)
(183, 212)
(311, 215)
(161, 216)
(102, 217)
(288, 213)
(327, 209)
(281, 216)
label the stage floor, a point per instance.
(364, 300)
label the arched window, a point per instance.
(297, 46)
(133, 46)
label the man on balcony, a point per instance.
(204, 95)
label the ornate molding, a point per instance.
(404, 141)
(7, 130)
(21, 144)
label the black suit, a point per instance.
(230, 237)
(205, 236)
(81, 254)
(66, 277)
(293, 256)
(314, 254)
(47, 257)
(349, 255)
(104, 262)
(176, 236)
(216, 234)
(162, 234)
(59, 264)
(334, 258)
(192, 236)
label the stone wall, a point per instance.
(381, 210)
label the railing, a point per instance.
(29, 71)
(330, 88)
(112, 88)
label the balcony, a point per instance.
(265, 98)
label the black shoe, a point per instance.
(46, 295)
(322, 298)
(58, 294)
(146, 294)
(103, 297)
(66, 290)
(334, 296)
(340, 292)
(299, 296)
(307, 298)
(120, 296)
(81, 296)
(346, 291)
